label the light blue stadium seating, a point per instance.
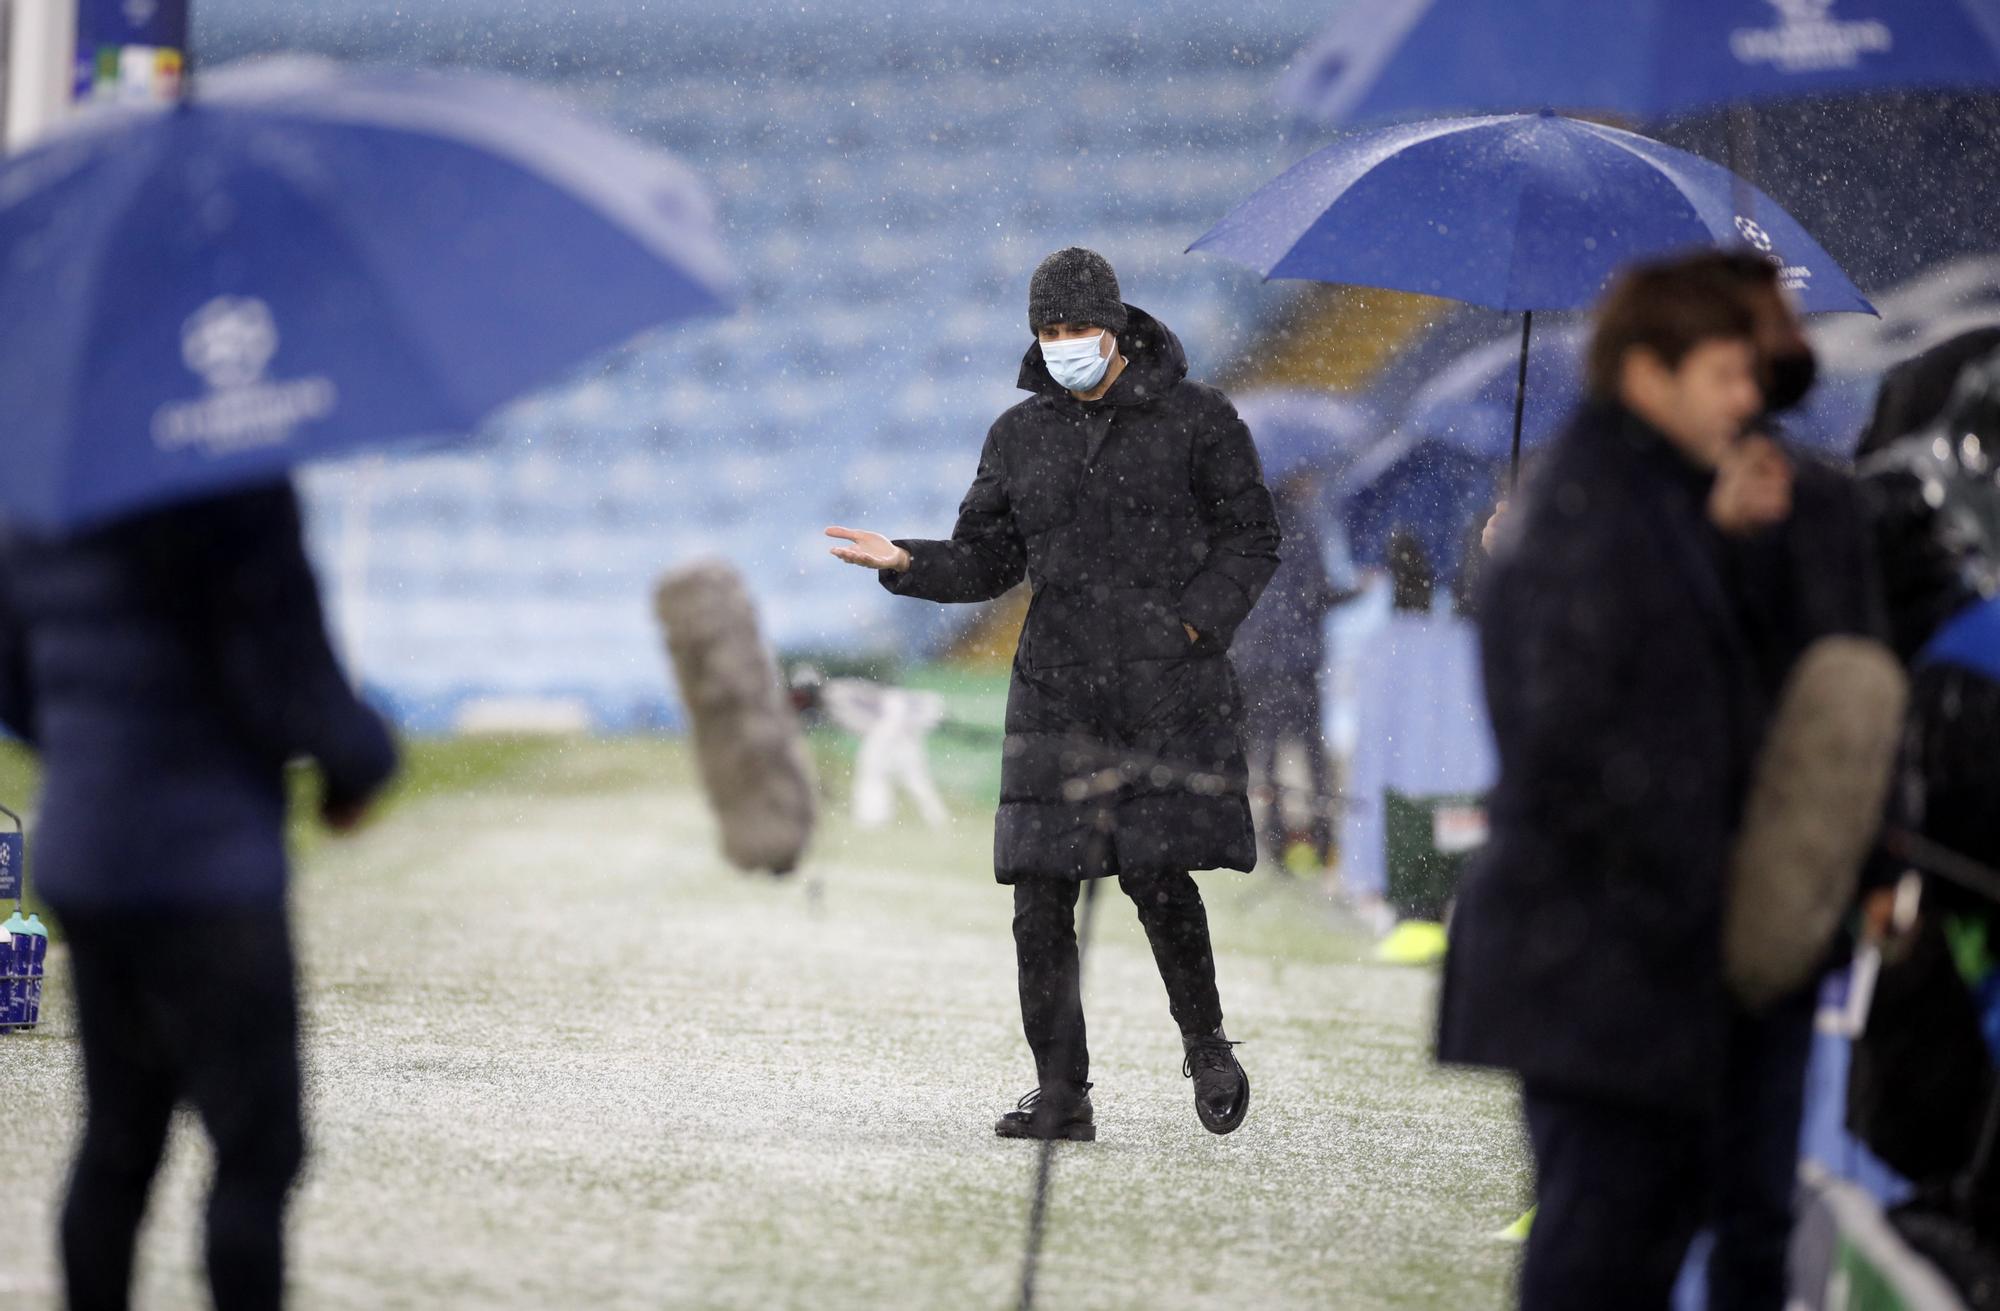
(885, 197)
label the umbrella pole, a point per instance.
(1520, 397)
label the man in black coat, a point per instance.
(167, 669)
(1628, 697)
(1132, 500)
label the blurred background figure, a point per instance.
(1421, 733)
(1932, 563)
(167, 670)
(894, 725)
(1915, 393)
(1281, 654)
(1922, 1088)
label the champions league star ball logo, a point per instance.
(229, 344)
(230, 341)
(1753, 232)
(1792, 277)
(1809, 38)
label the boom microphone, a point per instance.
(751, 753)
(1815, 808)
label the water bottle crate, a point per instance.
(24, 943)
(24, 947)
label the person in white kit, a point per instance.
(894, 725)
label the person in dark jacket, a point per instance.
(167, 669)
(1627, 701)
(1131, 499)
(1280, 654)
(1914, 394)
(1810, 575)
(1922, 1082)
(1927, 560)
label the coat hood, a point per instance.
(1155, 364)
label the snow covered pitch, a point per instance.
(559, 1055)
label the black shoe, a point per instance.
(1221, 1089)
(1067, 1115)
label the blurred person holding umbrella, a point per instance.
(1133, 501)
(1807, 573)
(161, 640)
(167, 668)
(1922, 1080)
(1628, 707)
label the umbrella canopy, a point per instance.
(1432, 488)
(1645, 59)
(306, 261)
(1297, 430)
(1520, 212)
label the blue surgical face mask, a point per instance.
(1078, 363)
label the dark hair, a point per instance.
(1669, 307)
(1412, 576)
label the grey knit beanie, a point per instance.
(1075, 286)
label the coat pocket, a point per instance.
(1153, 630)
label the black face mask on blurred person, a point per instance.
(1792, 376)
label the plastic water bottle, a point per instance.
(36, 949)
(6, 981)
(14, 968)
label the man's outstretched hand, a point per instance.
(870, 550)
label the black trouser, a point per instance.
(1282, 705)
(1176, 925)
(1757, 1156)
(1623, 1190)
(194, 1006)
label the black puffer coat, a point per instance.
(1129, 516)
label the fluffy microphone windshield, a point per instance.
(752, 755)
(1815, 808)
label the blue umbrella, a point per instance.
(1432, 487)
(1522, 212)
(1646, 59)
(306, 261)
